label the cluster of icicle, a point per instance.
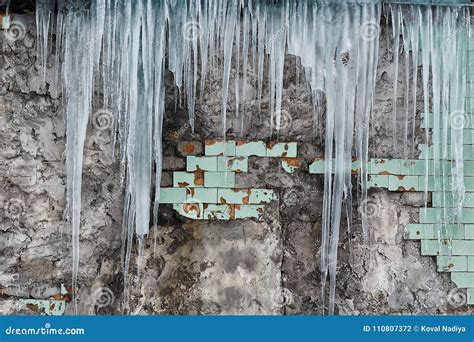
(438, 36)
(124, 47)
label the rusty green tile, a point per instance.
(435, 247)
(290, 165)
(377, 181)
(318, 166)
(217, 212)
(259, 196)
(451, 263)
(201, 195)
(235, 164)
(417, 231)
(194, 163)
(187, 179)
(435, 230)
(219, 148)
(288, 150)
(384, 166)
(247, 211)
(48, 307)
(403, 183)
(233, 196)
(250, 148)
(190, 210)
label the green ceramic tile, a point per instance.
(233, 196)
(463, 247)
(201, 195)
(201, 163)
(219, 148)
(172, 195)
(288, 150)
(463, 279)
(381, 166)
(403, 183)
(187, 179)
(252, 148)
(190, 210)
(249, 211)
(217, 212)
(259, 196)
(451, 263)
(219, 179)
(377, 181)
(236, 164)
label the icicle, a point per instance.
(336, 44)
(44, 10)
(396, 19)
(425, 20)
(228, 39)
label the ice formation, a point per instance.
(124, 47)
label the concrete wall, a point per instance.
(199, 266)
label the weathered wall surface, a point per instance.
(198, 267)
